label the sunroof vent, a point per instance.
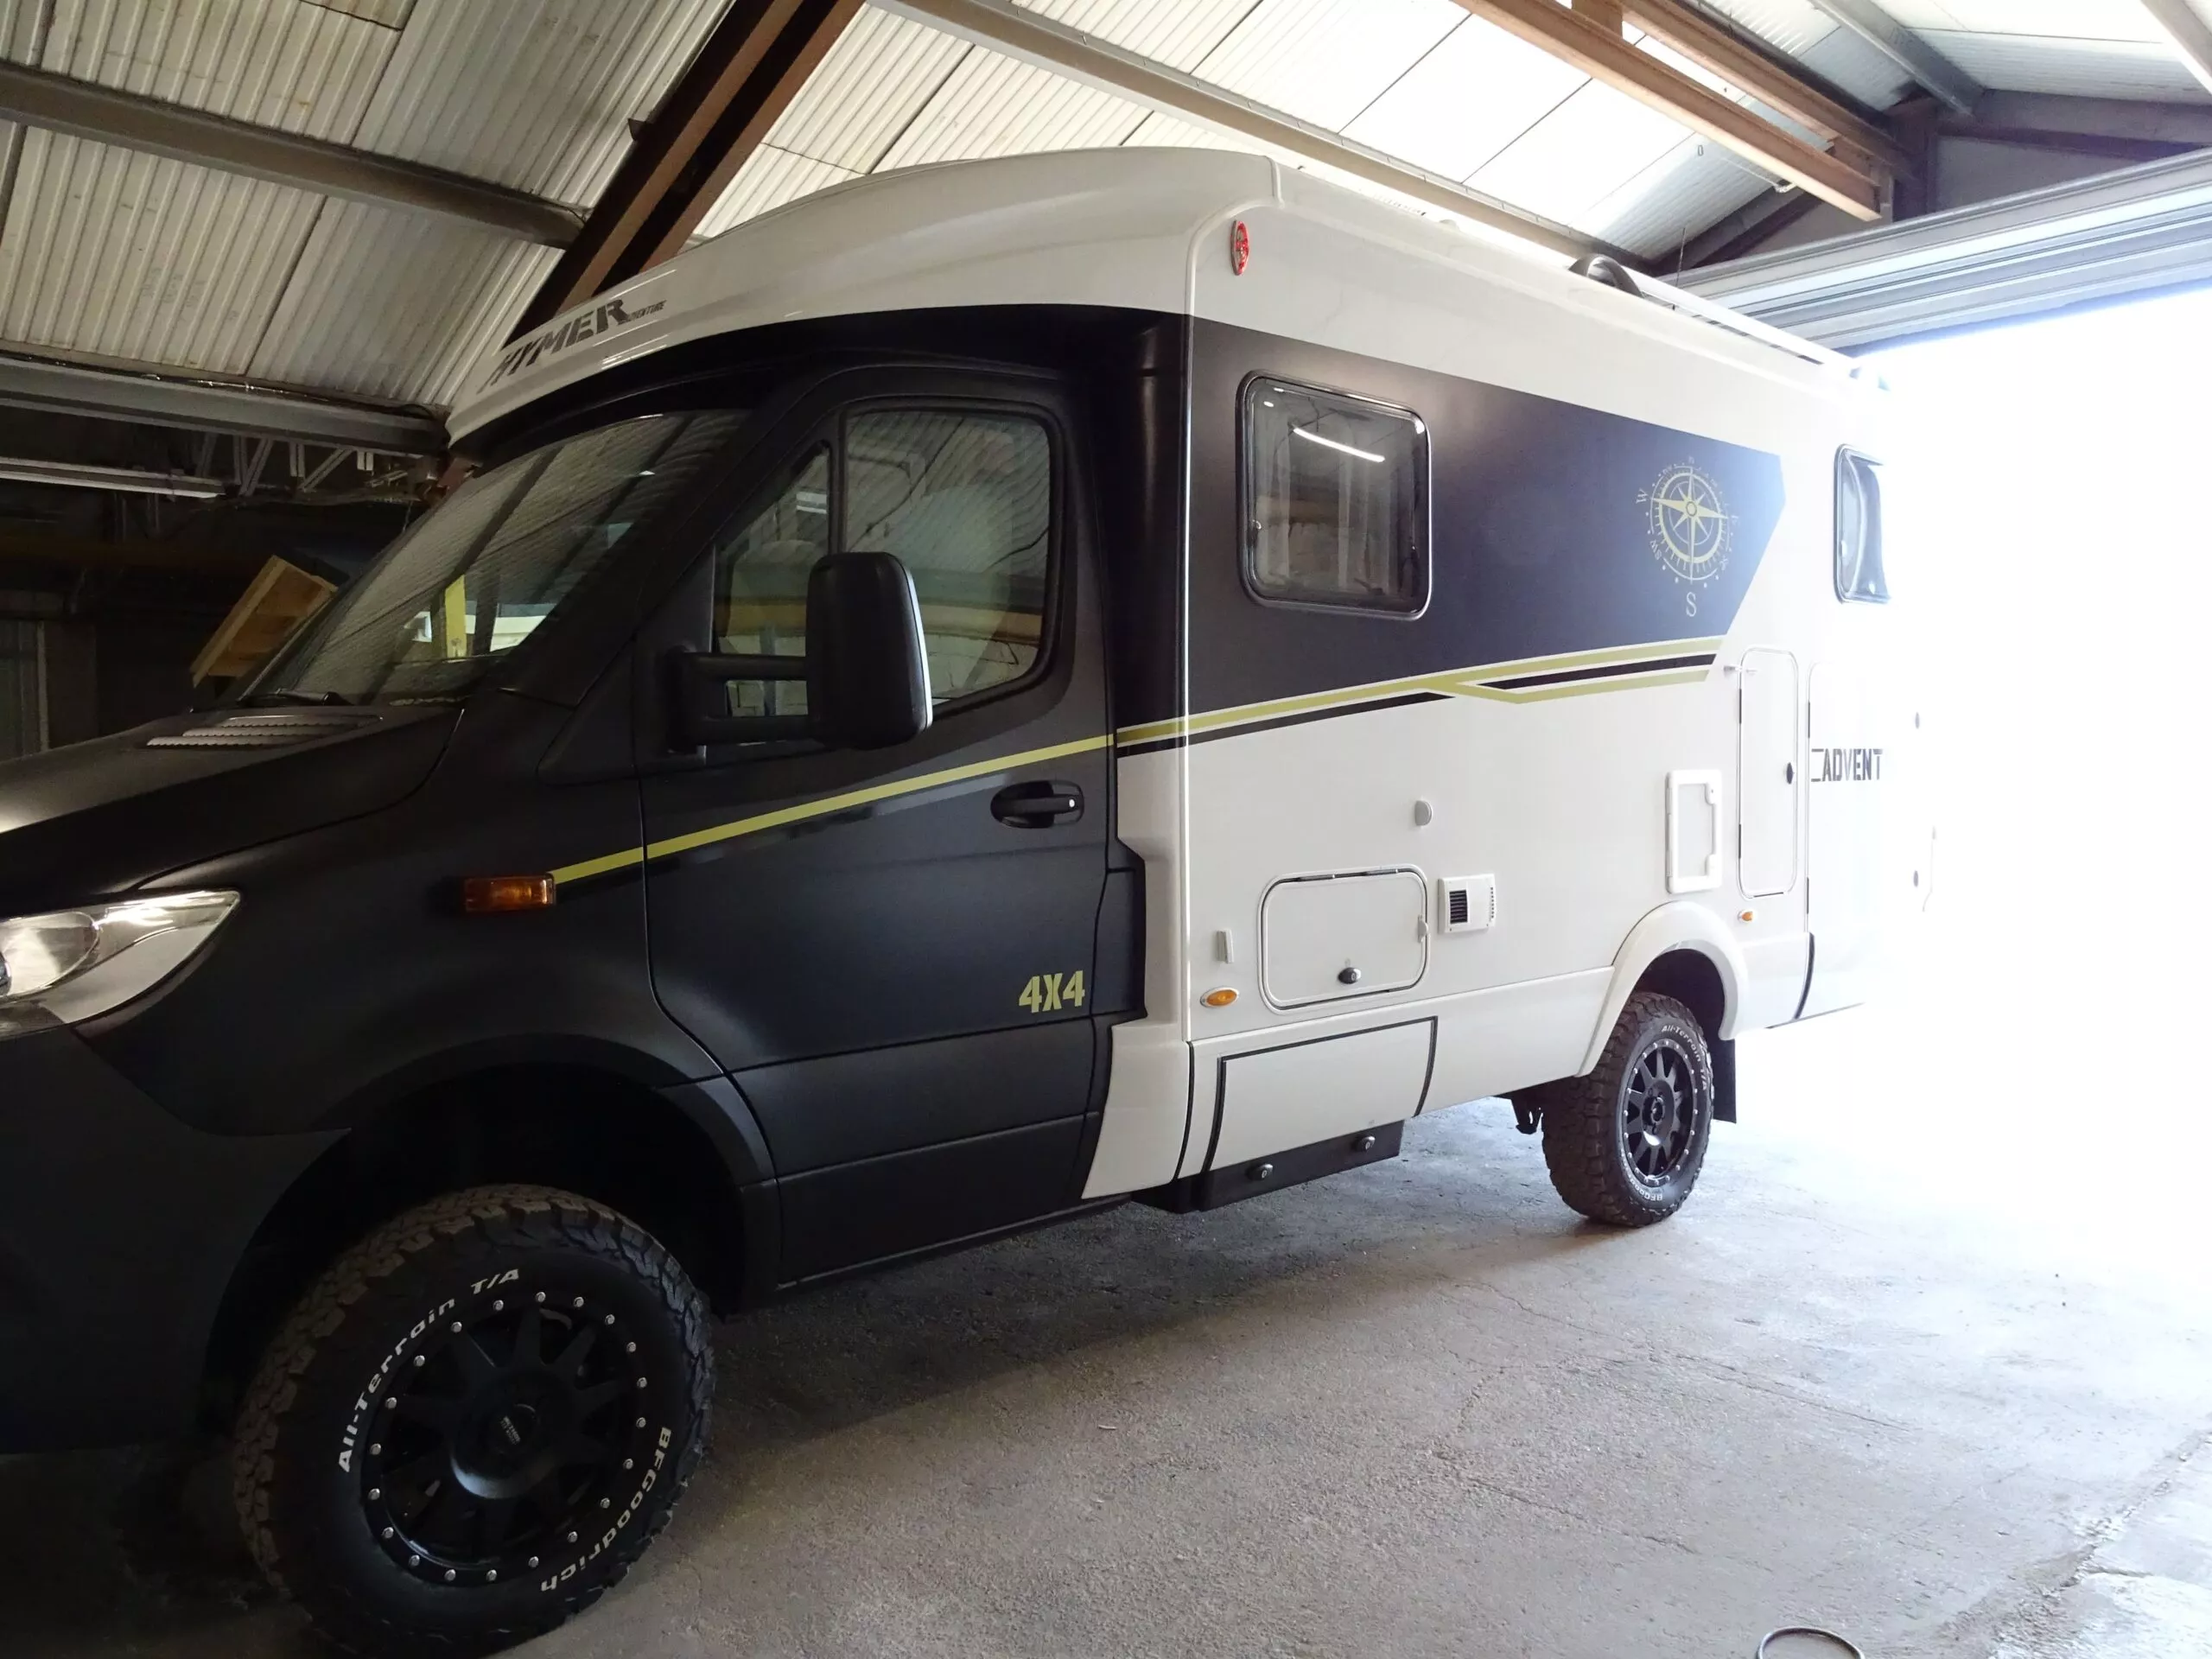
(274, 729)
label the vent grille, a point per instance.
(263, 731)
(1467, 904)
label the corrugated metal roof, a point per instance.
(992, 105)
(770, 177)
(406, 305)
(105, 251)
(1695, 184)
(1178, 33)
(1325, 61)
(866, 89)
(2080, 68)
(1427, 116)
(536, 94)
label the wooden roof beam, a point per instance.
(744, 76)
(1852, 180)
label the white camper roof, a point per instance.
(1107, 227)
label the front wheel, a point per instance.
(1625, 1144)
(474, 1422)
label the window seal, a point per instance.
(1246, 485)
(1845, 458)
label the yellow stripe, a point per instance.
(1459, 682)
(822, 808)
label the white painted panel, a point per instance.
(1767, 791)
(1293, 1096)
(1326, 937)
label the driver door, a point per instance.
(890, 951)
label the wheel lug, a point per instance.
(579, 1302)
(610, 1318)
(391, 1402)
(641, 1381)
(629, 1463)
(533, 1560)
(386, 1533)
(456, 1327)
(414, 1560)
(451, 1575)
(641, 1422)
(491, 1576)
(572, 1537)
(606, 1503)
(376, 1451)
(499, 1306)
(422, 1359)
(375, 1493)
(541, 1295)
(629, 1347)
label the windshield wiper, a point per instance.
(294, 694)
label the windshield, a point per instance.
(478, 576)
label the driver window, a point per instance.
(760, 573)
(964, 498)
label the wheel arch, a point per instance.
(684, 1159)
(1684, 951)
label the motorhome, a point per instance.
(981, 694)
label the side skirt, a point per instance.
(1216, 1187)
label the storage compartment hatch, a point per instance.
(1324, 938)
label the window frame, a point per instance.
(1247, 484)
(1846, 456)
(829, 431)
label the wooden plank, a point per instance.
(1858, 189)
(741, 78)
(1710, 46)
(277, 600)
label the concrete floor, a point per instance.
(1928, 1360)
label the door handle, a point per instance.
(1789, 772)
(1037, 805)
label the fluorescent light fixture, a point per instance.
(1312, 436)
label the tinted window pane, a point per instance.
(965, 501)
(479, 575)
(1335, 505)
(1858, 572)
(761, 574)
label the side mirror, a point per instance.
(867, 678)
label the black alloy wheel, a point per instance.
(503, 1438)
(1659, 1111)
(473, 1423)
(1625, 1144)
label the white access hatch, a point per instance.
(1354, 933)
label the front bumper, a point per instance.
(120, 1230)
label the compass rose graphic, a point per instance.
(1689, 526)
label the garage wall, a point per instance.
(23, 712)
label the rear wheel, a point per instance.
(474, 1422)
(1625, 1144)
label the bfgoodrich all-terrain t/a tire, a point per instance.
(1625, 1144)
(474, 1422)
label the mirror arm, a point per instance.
(699, 685)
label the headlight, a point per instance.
(71, 964)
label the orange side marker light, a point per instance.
(490, 895)
(1220, 999)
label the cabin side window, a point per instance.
(964, 499)
(1336, 500)
(1858, 572)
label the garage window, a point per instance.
(1336, 500)
(1858, 573)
